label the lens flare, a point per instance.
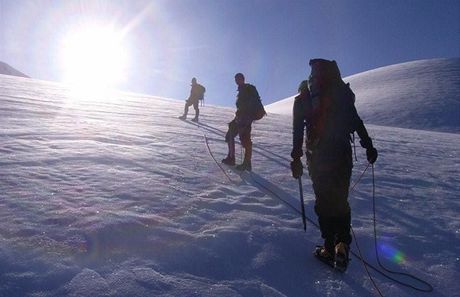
(392, 253)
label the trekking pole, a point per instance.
(302, 207)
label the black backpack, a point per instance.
(201, 91)
(258, 110)
(332, 102)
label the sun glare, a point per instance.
(93, 58)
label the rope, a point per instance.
(352, 188)
(364, 263)
(430, 287)
(359, 255)
(212, 155)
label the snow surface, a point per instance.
(115, 196)
(8, 70)
(422, 95)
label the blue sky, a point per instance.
(169, 42)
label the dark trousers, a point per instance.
(195, 104)
(330, 172)
(241, 127)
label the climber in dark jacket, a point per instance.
(241, 124)
(196, 94)
(325, 109)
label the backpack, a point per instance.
(201, 91)
(258, 110)
(332, 103)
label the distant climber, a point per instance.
(196, 94)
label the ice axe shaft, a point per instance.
(302, 207)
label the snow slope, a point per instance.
(8, 70)
(423, 95)
(114, 196)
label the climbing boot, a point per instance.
(341, 256)
(229, 161)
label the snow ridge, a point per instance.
(8, 70)
(422, 95)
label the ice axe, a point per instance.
(302, 207)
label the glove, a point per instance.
(371, 154)
(296, 168)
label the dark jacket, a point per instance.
(246, 100)
(328, 118)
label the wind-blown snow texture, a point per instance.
(423, 95)
(8, 70)
(114, 196)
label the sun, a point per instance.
(93, 57)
